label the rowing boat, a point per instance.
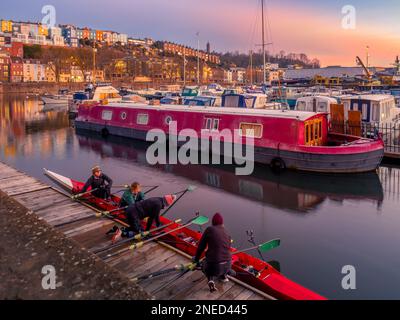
(251, 270)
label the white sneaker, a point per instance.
(211, 285)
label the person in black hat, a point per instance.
(217, 264)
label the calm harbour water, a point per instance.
(325, 222)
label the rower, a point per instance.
(100, 183)
(131, 195)
(218, 259)
(138, 211)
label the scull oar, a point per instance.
(138, 236)
(200, 220)
(182, 193)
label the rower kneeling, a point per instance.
(140, 210)
(218, 258)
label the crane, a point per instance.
(367, 72)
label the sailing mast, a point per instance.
(263, 43)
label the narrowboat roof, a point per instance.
(371, 97)
(299, 115)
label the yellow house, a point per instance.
(43, 30)
(6, 26)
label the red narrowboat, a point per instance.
(283, 139)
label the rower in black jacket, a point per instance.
(138, 211)
(217, 241)
(99, 182)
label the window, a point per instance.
(365, 111)
(216, 124)
(106, 115)
(168, 119)
(142, 119)
(123, 115)
(301, 106)
(208, 123)
(355, 106)
(253, 130)
(313, 132)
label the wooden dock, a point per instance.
(57, 209)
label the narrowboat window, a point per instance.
(208, 123)
(311, 132)
(168, 119)
(320, 129)
(106, 115)
(365, 111)
(142, 119)
(316, 131)
(123, 115)
(251, 130)
(307, 134)
(216, 124)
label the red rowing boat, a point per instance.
(251, 270)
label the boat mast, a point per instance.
(251, 67)
(263, 43)
(198, 58)
(184, 67)
(94, 62)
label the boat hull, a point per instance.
(365, 160)
(54, 101)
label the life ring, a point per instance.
(105, 133)
(277, 164)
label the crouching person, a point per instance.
(140, 210)
(217, 263)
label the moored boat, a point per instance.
(282, 139)
(92, 96)
(57, 99)
(251, 270)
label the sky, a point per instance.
(313, 27)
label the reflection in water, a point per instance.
(291, 190)
(20, 118)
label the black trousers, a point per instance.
(214, 271)
(103, 193)
(134, 221)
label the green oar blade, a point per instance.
(201, 220)
(191, 188)
(270, 245)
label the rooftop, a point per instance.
(299, 115)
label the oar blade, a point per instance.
(200, 220)
(270, 245)
(191, 188)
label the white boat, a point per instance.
(100, 94)
(315, 104)
(57, 99)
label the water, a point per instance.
(325, 222)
